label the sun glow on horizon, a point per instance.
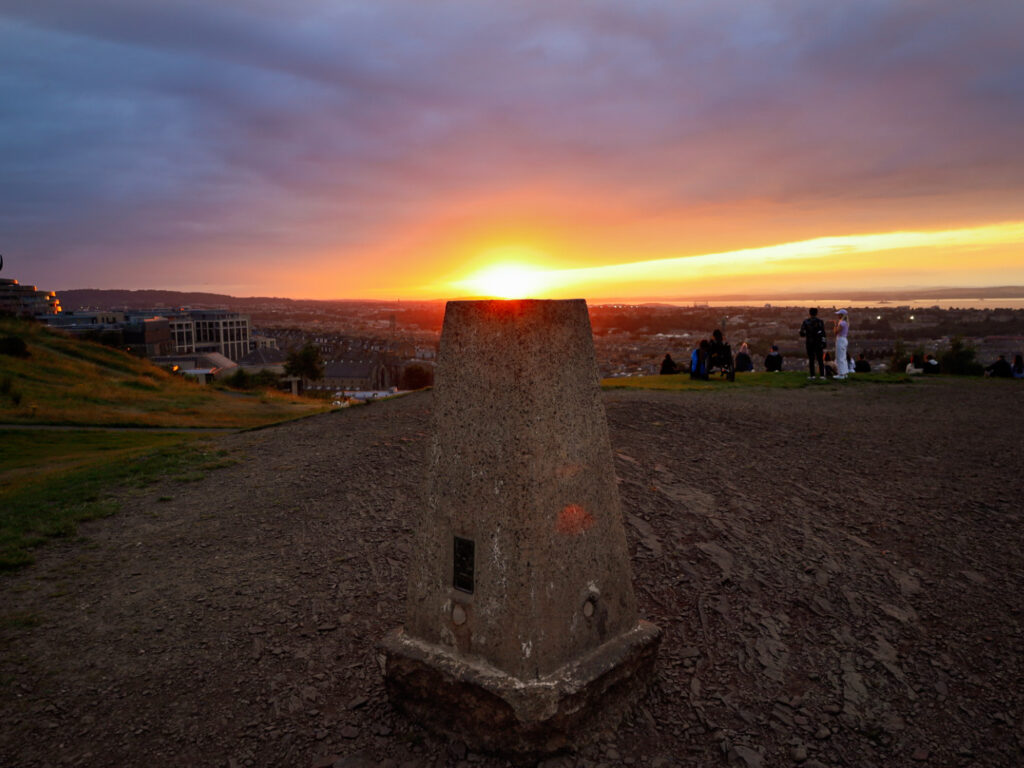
(509, 274)
(507, 281)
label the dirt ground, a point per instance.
(837, 569)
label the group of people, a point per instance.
(812, 331)
(1001, 368)
(922, 367)
(709, 354)
(820, 364)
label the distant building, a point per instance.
(144, 336)
(355, 375)
(159, 332)
(183, 332)
(27, 300)
(258, 341)
(204, 366)
(264, 359)
(204, 330)
(86, 318)
(148, 336)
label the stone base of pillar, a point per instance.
(490, 710)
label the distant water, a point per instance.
(1015, 303)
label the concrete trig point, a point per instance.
(521, 625)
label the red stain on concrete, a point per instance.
(573, 519)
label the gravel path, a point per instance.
(838, 571)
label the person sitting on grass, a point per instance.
(862, 365)
(1018, 367)
(699, 361)
(931, 365)
(773, 360)
(668, 366)
(831, 369)
(743, 361)
(1000, 369)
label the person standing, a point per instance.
(812, 330)
(842, 344)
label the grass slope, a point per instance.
(52, 480)
(68, 381)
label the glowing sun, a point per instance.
(507, 281)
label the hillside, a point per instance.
(63, 380)
(837, 571)
(112, 298)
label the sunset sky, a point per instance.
(444, 148)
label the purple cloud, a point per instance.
(130, 132)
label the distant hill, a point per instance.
(119, 299)
(96, 298)
(902, 294)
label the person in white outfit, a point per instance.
(842, 343)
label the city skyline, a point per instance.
(391, 149)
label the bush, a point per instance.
(305, 362)
(14, 346)
(960, 359)
(416, 376)
(242, 379)
(900, 357)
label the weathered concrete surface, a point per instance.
(475, 702)
(521, 466)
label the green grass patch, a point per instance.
(52, 480)
(681, 382)
(64, 380)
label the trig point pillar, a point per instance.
(521, 628)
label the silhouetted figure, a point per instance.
(1000, 369)
(862, 365)
(812, 331)
(668, 365)
(930, 365)
(720, 355)
(773, 360)
(830, 366)
(1018, 367)
(743, 361)
(699, 361)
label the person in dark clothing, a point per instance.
(812, 331)
(931, 365)
(773, 360)
(720, 355)
(743, 361)
(1000, 369)
(668, 365)
(699, 361)
(717, 342)
(862, 365)
(1017, 369)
